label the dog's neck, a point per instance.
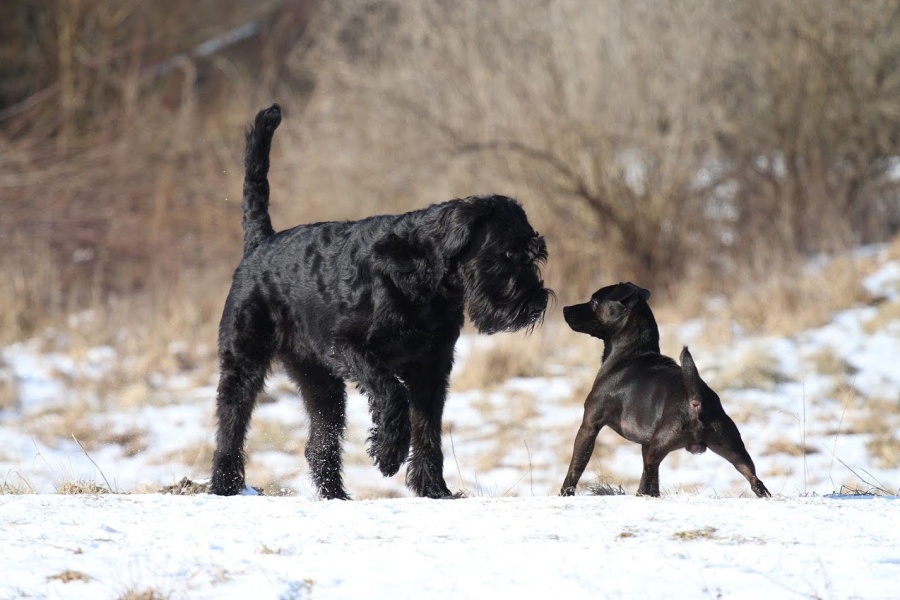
(642, 337)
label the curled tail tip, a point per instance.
(259, 135)
(269, 118)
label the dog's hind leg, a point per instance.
(653, 457)
(239, 384)
(428, 382)
(245, 352)
(326, 403)
(727, 443)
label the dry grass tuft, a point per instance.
(872, 415)
(143, 594)
(827, 362)
(186, 487)
(789, 448)
(69, 576)
(71, 488)
(606, 489)
(704, 533)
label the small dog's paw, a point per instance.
(269, 118)
(760, 490)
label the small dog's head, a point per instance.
(500, 267)
(609, 310)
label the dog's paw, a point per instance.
(269, 118)
(760, 490)
(387, 456)
(225, 485)
(437, 492)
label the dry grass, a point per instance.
(878, 416)
(9, 388)
(884, 449)
(69, 576)
(185, 487)
(16, 487)
(704, 533)
(505, 357)
(605, 488)
(888, 313)
(197, 456)
(789, 448)
(91, 488)
(827, 362)
(785, 304)
(790, 298)
(756, 368)
(60, 424)
(143, 594)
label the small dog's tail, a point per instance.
(256, 222)
(692, 382)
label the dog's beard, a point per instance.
(512, 306)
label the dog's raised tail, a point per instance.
(256, 222)
(692, 382)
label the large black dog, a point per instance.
(379, 302)
(645, 396)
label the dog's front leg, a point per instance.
(388, 406)
(581, 454)
(428, 382)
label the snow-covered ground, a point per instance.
(819, 412)
(681, 546)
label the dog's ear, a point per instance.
(411, 266)
(642, 292)
(628, 294)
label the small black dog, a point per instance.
(379, 302)
(646, 397)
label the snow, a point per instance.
(681, 546)
(506, 447)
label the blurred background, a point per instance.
(703, 149)
(692, 143)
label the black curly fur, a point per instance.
(379, 302)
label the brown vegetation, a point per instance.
(695, 146)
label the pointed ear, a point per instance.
(412, 267)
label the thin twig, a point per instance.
(857, 475)
(453, 448)
(530, 467)
(109, 487)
